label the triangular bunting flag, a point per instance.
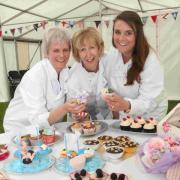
(13, 31)
(0, 33)
(80, 24)
(144, 19)
(35, 26)
(97, 23)
(63, 23)
(56, 23)
(154, 18)
(43, 24)
(165, 16)
(174, 14)
(20, 30)
(71, 24)
(106, 23)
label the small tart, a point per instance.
(110, 143)
(114, 152)
(105, 138)
(122, 138)
(91, 143)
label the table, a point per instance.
(130, 166)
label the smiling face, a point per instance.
(89, 54)
(124, 38)
(58, 54)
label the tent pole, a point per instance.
(4, 90)
(17, 62)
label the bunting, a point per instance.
(165, 16)
(106, 23)
(13, 31)
(154, 18)
(20, 30)
(43, 24)
(56, 23)
(63, 23)
(97, 23)
(35, 27)
(144, 19)
(71, 24)
(174, 14)
(0, 32)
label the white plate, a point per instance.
(116, 126)
(104, 127)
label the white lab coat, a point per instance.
(38, 93)
(81, 81)
(147, 97)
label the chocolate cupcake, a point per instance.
(125, 124)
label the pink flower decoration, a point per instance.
(166, 126)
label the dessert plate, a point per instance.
(116, 126)
(102, 127)
(16, 166)
(58, 138)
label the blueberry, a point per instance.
(83, 172)
(114, 176)
(99, 173)
(76, 175)
(121, 177)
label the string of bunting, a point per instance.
(79, 24)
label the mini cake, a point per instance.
(129, 146)
(76, 127)
(110, 143)
(88, 128)
(130, 119)
(140, 120)
(125, 124)
(118, 176)
(36, 140)
(122, 138)
(48, 135)
(104, 138)
(149, 127)
(80, 175)
(99, 175)
(4, 153)
(91, 143)
(114, 152)
(135, 126)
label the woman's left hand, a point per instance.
(116, 103)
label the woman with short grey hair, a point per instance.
(40, 97)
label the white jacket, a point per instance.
(92, 83)
(38, 93)
(147, 97)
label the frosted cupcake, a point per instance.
(153, 120)
(48, 135)
(130, 119)
(125, 124)
(88, 128)
(140, 120)
(135, 126)
(149, 127)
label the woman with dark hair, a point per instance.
(133, 71)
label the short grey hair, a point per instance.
(54, 35)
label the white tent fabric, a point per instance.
(19, 18)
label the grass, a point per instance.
(3, 107)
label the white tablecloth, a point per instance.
(131, 166)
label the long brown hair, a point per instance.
(141, 49)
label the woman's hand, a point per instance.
(116, 103)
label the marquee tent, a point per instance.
(23, 22)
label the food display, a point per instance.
(91, 143)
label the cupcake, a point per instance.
(130, 119)
(48, 135)
(88, 128)
(82, 174)
(91, 143)
(114, 152)
(149, 127)
(125, 124)
(76, 127)
(140, 120)
(110, 143)
(135, 126)
(129, 146)
(104, 138)
(153, 120)
(99, 175)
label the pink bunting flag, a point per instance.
(106, 23)
(97, 23)
(0, 33)
(165, 16)
(80, 24)
(154, 18)
(13, 31)
(63, 23)
(174, 14)
(20, 30)
(43, 24)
